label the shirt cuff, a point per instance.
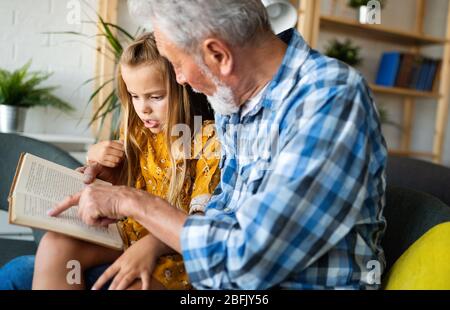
(199, 203)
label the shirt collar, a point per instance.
(296, 54)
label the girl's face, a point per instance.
(149, 94)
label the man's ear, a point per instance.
(218, 56)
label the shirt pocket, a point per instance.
(252, 176)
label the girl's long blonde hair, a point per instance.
(144, 51)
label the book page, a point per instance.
(47, 180)
(32, 211)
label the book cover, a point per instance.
(415, 72)
(388, 69)
(405, 70)
(432, 74)
(423, 75)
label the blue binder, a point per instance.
(388, 69)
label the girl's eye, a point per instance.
(157, 98)
(134, 97)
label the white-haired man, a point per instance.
(301, 196)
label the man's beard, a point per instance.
(222, 101)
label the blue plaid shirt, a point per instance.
(301, 196)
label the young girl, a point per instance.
(149, 158)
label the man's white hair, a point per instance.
(188, 22)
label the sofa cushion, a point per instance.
(409, 215)
(425, 265)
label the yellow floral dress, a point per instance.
(202, 177)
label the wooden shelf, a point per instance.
(403, 92)
(312, 22)
(61, 139)
(378, 32)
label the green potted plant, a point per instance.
(344, 51)
(21, 90)
(385, 118)
(116, 38)
(362, 7)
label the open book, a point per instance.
(38, 186)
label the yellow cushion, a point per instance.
(425, 265)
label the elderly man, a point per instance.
(301, 196)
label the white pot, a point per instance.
(282, 14)
(12, 119)
(362, 14)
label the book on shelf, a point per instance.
(407, 70)
(387, 72)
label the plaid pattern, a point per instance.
(301, 196)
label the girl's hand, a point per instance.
(107, 153)
(136, 263)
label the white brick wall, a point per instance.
(23, 24)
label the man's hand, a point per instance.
(136, 263)
(101, 205)
(96, 170)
